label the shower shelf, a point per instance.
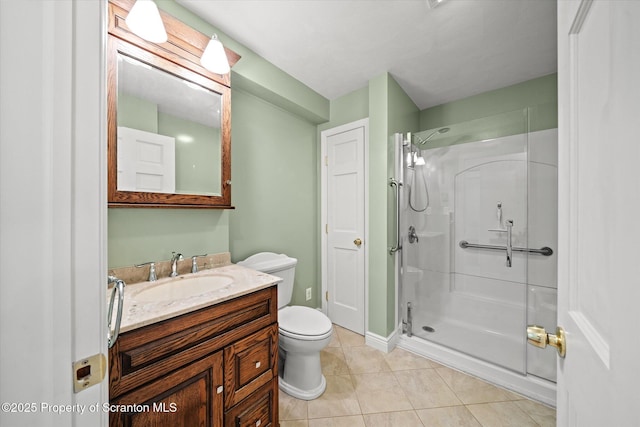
(546, 251)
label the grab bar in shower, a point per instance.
(509, 225)
(396, 186)
(546, 251)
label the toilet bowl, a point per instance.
(303, 331)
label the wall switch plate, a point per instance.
(308, 294)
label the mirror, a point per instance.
(169, 124)
(168, 132)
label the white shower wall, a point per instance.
(476, 304)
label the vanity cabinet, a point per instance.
(213, 367)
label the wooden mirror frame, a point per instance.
(179, 56)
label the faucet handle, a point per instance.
(152, 270)
(194, 263)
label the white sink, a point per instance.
(184, 287)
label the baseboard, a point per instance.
(381, 343)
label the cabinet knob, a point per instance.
(219, 389)
(258, 365)
(258, 423)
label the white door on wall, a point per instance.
(344, 240)
(146, 161)
(53, 269)
(599, 201)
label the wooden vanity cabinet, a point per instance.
(213, 367)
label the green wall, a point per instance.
(390, 111)
(195, 156)
(274, 175)
(378, 211)
(137, 113)
(141, 235)
(346, 109)
(274, 172)
(542, 92)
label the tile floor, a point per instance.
(366, 387)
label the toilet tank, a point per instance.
(278, 265)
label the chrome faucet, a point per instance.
(175, 257)
(194, 262)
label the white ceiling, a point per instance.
(458, 49)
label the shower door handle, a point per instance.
(538, 336)
(396, 186)
(509, 225)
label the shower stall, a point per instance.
(475, 254)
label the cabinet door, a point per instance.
(249, 364)
(190, 396)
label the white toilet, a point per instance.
(304, 331)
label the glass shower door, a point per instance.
(464, 218)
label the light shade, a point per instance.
(434, 3)
(145, 22)
(214, 58)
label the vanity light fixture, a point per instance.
(214, 57)
(434, 3)
(145, 22)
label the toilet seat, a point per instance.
(304, 323)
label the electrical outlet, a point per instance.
(308, 294)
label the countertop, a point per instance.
(139, 311)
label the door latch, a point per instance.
(538, 336)
(88, 372)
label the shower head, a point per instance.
(438, 131)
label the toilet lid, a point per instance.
(300, 320)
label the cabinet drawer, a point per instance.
(249, 364)
(147, 353)
(259, 410)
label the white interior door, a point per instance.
(52, 210)
(345, 225)
(599, 201)
(146, 161)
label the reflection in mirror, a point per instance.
(169, 138)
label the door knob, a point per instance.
(357, 242)
(536, 335)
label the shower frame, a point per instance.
(529, 385)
